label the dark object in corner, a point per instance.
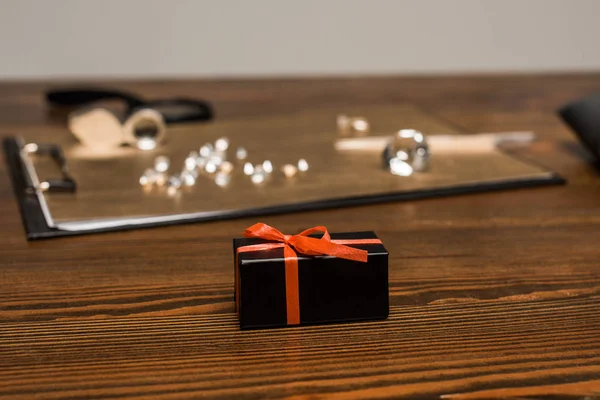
(583, 116)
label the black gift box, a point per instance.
(330, 289)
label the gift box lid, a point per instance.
(276, 255)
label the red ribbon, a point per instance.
(303, 244)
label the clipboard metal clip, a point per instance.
(64, 184)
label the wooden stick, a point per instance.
(476, 143)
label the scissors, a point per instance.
(143, 123)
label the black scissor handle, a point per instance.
(80, 97)
(176, 110)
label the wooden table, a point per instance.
(493, 295)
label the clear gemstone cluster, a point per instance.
(210, 160)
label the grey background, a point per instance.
(183, 38)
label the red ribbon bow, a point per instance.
(304, 244)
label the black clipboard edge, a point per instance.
(32, 215)
(37, 228)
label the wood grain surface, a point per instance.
(493, 295)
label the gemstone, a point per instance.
(211, 167)
(144, 180)
(226, 167)
(400, 167)
(217, 157)
(348, 124)
(206, 149)
(190, 161)
(248, 169)
(267, 166)
(201, 162)
(188, 178)
(241, 153)
(289, 170)
(258, 177)
(172, 191)
(410, 146)
(174, 181)
(360, 124)
(343, 123)
(161, 163)
(149, 177)
(302, 165)
(222, 179)
(222, 144)
(161, 179)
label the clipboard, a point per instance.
(109, 198)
